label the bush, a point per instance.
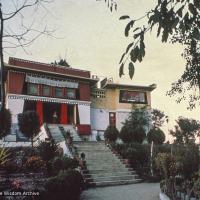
(139, 155)
(111, 134)
(156, 135)
(47, 150)
(128, 135)
(63, 163)
(67, 185)
(29, 124)
(35, 164)
(5, 122)
(188, 159)
(166, 163)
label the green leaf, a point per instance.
(136, 29)
(165, 35)
(176, 21)
(136, 35)
(196, 33)
(124, 17)
(128, 27)
(131, 70)
(180, 11)
(142, 49)
(129, 46)
(134, 54)
(121, 70)
(122, 57)
(192, 9)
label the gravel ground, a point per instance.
(141, 191)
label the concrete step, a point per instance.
(112, 183)
(109, 178)
(106, 174)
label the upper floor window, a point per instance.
(58, 92)
(127, 96)
(46, 90)
(33, 89)
(71, 93)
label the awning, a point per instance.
(50, 82)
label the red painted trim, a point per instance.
(39, 110)
(84, 129)
(63, 113)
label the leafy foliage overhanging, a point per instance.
(177, 21)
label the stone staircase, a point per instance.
(103, 167)
(58, 132)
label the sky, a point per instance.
(90, 37)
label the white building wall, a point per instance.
(16, 107)
(121, 116)
(99, 119)
(84, 114)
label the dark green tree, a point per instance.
(133, 129)
(5, 122)
(61, 62)
(29, 124)
(47, 150)
(186, 130)
(156, 135)
(111, 134)
(158, 118)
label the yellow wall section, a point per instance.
(111, 101)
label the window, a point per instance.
(132, 97)
(71, 93)
(58, 92)
(33, 89)
(46, 90)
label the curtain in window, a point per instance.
(39, 110)
(63, 118)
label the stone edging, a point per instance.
(163, 196)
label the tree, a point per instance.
(158, 118)
(61, 62)
(111, 133)
(5, 122)
(186, 130)
(156, 135)
(176, 21)
(133, 129)
(20, 37)
(29, 124)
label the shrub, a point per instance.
(139, 155)
(188, 159)
(4, 156)
(156, 135)
(196, 181)
(67, 185)
(47, 150)
(11, 167)
(63, 163)
(128, 134)
(166, 163)
(35, 164)
(29, 124)
(111, 133)
(5, 122)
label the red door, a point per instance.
(112, 118)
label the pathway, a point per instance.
(142, 191)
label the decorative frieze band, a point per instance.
(47, 99)
(50, 82)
